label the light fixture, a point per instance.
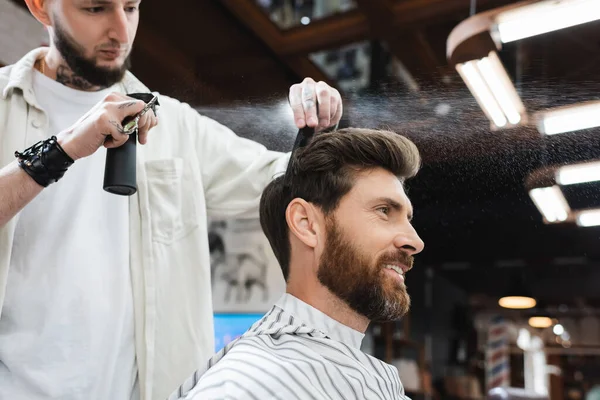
(570, 118)
(517, 295)
(558, 329)
(540, 322)
(545, 192)
(471, 42)
(543, 17)
(491, 86)
(587, 218)
(305, 20)
(578, 173)
(517, 302)
(551, 203)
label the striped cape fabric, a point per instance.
(294, 352)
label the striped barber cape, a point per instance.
(294, 352)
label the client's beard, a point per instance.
(351, 275)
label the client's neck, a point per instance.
(315, 294)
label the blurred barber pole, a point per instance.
(497, 354)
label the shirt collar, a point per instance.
(21, 77)
(315, 318)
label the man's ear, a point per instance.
(39, 9)
(304, 221)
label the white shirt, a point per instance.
(294, 352)
(192, 167)
(67, 323)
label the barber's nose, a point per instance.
(120, 31)
(409, 241)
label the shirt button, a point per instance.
(36, 124)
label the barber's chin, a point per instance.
(106, 65)
(111, 55)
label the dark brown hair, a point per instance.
(324, 171)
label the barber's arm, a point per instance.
(235, 170)
(17, 189)
(25, 178)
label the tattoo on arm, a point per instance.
(127, 105)
(118, 126)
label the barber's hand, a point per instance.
(304, 98)
(102, 125)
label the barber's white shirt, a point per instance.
(66, 330)
(191, 168)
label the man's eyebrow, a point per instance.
(390, 202)
(99, 2)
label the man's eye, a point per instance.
(95, 10)
(130, 9)
(384, 210)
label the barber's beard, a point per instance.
(363, 285)
(83, 68)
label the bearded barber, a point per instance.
(105, 296)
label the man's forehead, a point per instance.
(379, 183)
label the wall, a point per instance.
(19, 32)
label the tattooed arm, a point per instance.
(98, 127)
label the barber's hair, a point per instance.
(325, 171)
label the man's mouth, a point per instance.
(399, 269)
(113, 53)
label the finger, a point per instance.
(115, 140)
(144, 126)
(295, 98)
(154, 120)
(115, 135)
(127, 108)
(335, 119)
(324, 99)
(337, 108)
(309, 102)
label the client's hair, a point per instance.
(325, 170)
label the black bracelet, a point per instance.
(46, 161)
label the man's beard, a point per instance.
(85, 68)
(350, 275)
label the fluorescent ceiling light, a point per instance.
(569, 119)
(578, 173)
(545, 16)
(588, 218)
(496, 77)
(551, 203)
(492, 88)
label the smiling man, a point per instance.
(339, 223)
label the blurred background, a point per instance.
(502, 99)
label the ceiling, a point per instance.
(471, 207)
